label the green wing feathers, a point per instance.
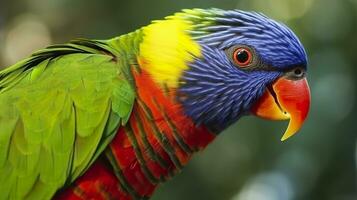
(58, 110)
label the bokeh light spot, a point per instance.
(267, 186)
(26, 34)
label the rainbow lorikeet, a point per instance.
(111, 119)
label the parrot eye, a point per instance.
(242, 57)
(296, 73)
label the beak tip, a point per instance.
(284, 138)
(291, 130)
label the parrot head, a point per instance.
(227, 64)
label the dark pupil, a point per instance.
(298, 72)
(242, 56)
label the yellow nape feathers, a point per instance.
(166, 49)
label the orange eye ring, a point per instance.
(242, 57)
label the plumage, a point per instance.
(112, 119)
(58, 117)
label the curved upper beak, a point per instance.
(285, 99)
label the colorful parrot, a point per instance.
(112, 119)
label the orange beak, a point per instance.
(285, 99)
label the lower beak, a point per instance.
(285, 99)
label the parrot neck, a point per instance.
(158, 140)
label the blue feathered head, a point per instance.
(249, 63)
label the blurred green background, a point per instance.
(248, 161)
